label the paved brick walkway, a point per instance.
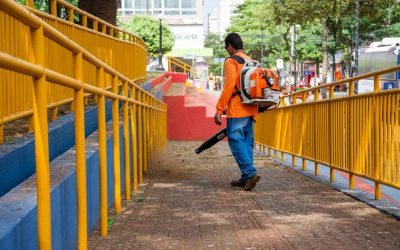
(188, 204)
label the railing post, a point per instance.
(71, 15)
(331, 170)
(84, 21)
(80, 154)
(95, 25)
(140, 134)
(145, 134)
(316, 94)
(31, 123)
(103, 28)
(29, 3)
(54, 112)
(53, 7)
(126, 143)
(331, 92)
(1, 133)
(39, 97)
(350, 133)
(134, 141)
(377, 139)
(316, 164)
(101, 114)
(304, 164)
(117, 162)
(293, 161)
(316, 168)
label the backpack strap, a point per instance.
(239, 60)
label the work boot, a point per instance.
(251, 183)
(238, 183)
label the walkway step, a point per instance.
(187, 203)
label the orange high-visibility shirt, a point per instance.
(233, 104)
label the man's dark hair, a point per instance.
(234, 40)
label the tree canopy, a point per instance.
(147, 28)
(266, 27)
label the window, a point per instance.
(171, 12)
(188, 12)
(157, 12)
(157, 4)
(140, 4)
(189, 4)
(171, 4)
(128, 4)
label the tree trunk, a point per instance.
(103, 9)
(325, 63)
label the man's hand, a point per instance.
(217, 119)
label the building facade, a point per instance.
(184, 17)
(220, 18)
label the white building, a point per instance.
(220, 19)
(184, 17)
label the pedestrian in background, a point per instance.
(240, 117)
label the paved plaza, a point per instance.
(186, 202)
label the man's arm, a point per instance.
(229, 88)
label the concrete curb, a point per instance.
(382, 205)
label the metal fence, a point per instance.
(357, 134)
(120, 50)
(24, 60)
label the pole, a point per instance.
(294, 56)
(356, 41)
(160, 66)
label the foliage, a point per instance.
(377, 19)
(43, 5)
(147, 28)
(216, 42)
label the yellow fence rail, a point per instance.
(357, 134)
(33, 71)
(172, 61)
(119, 49)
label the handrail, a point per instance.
(347, 80)
(133, 98)
(179, 63)
(63, 41)
(357, 134)
(21, 66)
(85, 15)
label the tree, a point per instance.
(103, 9)
(216, 42)
(147, 28)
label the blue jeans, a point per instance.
(241, 142)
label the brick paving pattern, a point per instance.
(186, 202)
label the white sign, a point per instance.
(279, 63)
(190, 57)
(219, 60)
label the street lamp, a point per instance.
(160, 66)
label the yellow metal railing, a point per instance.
(150, 113)
(180, 64)
(357, 134)
(120, 50)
